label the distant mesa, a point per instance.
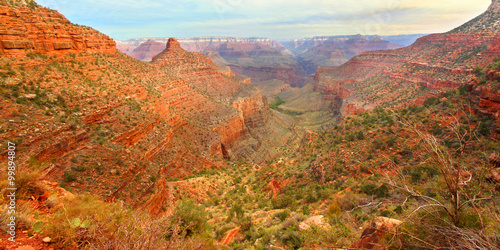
(405, 76)
(263, 59)
(147, 50)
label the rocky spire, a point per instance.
(173, 44)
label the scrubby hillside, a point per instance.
(90, 119)
(114, 153)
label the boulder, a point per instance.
(494, 160)
(317, 221)
(373, 236)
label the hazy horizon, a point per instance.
(278, 20)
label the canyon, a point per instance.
(334, 51)
(118, 120)
(243, 143)
(396, 78)
(263, 59)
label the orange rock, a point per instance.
(373, 236)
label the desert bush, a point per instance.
(69, 177)
(62, 225)
(447, 216)
(281, 202)
(334, 208)
(427, 230)
(292, 239)
(351, 200)
(191, 218)
(86, 222)
(282, 215)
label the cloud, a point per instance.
(122, 19)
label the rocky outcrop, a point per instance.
(487, 94)
(230, 235)
(373, 237)
(260, 59)
(241, 106)
(494, 175)
(253, 105)
(317, 221)
(334, 51)
(64, 146)
(45, 31)
(434, 63)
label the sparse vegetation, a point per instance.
(156, 157)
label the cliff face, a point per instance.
(249, 107)
(334, 51)
(41, 30)
(260, 59)
(147, 50)
(199, 44)
(263, 59)
(487, 93)
(112, 121)
(395, 78)
(260, 62)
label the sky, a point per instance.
(275, 19)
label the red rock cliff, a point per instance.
(395, 78)
(45, 31)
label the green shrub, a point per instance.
(283, 215)
(191, 217)
(334, 208)
(368, 188)
(282, 201)
(292, 239)
(69, 177)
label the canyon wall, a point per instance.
(396, 78)
(260, 59)
(41, 30)
(334, 51)
(76, 106)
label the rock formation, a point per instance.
(260, 59)
(115, 123)
(334, 51)
(395, 78)
(146, 51)
(488, 96)
(41, 30)
(200, 44)
(373, 236)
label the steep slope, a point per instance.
(393, 78)
(260, 59)
(47, 32)
(94, 119)
(199, 44)
(260, 62)
(147, 50)
(334, 51)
